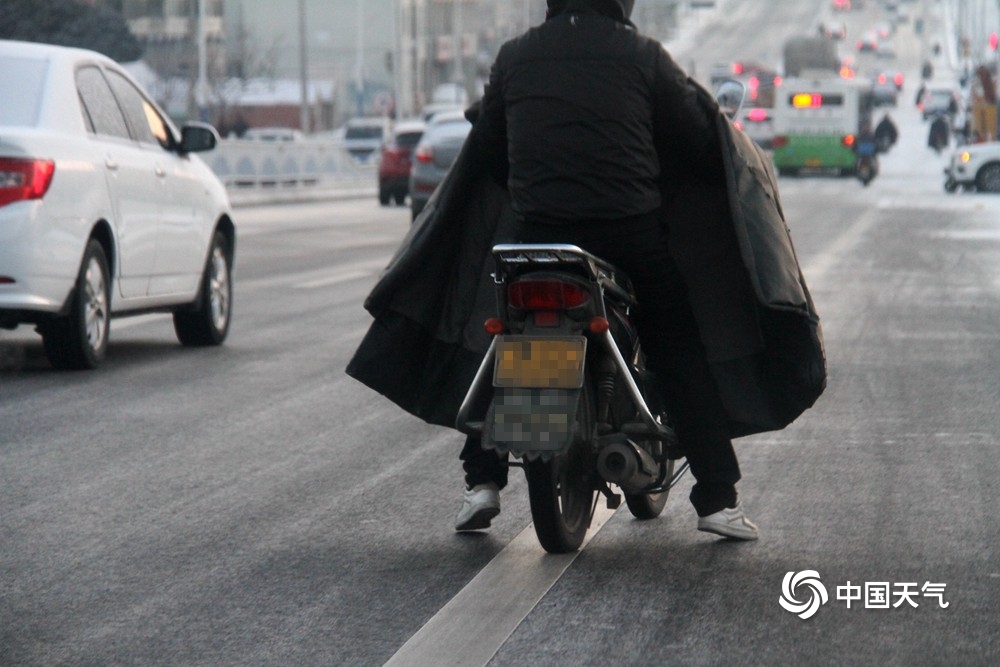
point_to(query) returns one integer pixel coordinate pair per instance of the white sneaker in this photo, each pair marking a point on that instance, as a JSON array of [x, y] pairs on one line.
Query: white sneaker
[[729, 522], [479, 505]]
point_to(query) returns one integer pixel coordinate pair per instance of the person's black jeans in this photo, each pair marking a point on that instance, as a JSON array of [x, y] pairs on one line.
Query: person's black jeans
[[669, 335]]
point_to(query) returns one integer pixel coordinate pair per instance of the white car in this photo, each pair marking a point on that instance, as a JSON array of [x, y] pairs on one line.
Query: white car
[[974, 167], [104, 208], [364, 136]]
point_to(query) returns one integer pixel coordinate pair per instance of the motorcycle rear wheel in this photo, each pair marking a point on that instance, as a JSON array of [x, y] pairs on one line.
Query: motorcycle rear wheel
[[561, 490], [644, 506]]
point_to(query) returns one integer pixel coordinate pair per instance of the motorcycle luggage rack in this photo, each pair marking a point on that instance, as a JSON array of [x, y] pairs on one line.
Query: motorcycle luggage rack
[[547, 255]]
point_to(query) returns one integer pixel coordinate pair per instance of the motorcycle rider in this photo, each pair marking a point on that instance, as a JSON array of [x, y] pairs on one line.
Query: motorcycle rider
[[940, 134], [592, 127], [886, 133]]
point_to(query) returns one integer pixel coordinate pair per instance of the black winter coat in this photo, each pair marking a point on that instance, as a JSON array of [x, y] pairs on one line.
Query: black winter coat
[[757, 321], [616, 141]]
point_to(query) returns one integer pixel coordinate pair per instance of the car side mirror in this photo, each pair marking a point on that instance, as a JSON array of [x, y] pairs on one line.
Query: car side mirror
[[197, 137]]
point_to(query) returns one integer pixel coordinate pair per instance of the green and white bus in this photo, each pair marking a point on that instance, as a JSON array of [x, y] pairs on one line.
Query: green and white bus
[[816, 122]]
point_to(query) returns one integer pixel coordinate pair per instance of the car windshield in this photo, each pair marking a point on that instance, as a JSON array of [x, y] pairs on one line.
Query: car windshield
[[364, 132], [21, 82]]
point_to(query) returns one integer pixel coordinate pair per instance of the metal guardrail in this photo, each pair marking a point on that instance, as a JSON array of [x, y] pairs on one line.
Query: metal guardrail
[[257, 172]]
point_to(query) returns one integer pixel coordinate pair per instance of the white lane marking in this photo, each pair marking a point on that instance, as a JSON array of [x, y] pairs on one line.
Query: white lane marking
[[341, 277], [511, 584], [342, 273]]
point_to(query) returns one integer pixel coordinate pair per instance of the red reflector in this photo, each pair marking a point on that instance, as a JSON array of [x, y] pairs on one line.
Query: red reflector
[[24, 179], [779, 141], [494, 326], [546, 295], [898, 79], [848, 140], [881, 78], [599, 325]]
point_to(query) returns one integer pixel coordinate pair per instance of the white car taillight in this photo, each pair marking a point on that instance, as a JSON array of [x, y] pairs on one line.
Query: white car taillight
[[22, 179]]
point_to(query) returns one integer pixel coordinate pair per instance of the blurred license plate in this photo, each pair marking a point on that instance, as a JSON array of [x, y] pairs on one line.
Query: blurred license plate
[[547, 363]]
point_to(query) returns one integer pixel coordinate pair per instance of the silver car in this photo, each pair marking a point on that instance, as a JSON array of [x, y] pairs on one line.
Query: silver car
[[104, 207], [434, 155]]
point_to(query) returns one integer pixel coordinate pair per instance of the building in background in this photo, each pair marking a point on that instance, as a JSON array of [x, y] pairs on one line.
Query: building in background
[[361, 57]]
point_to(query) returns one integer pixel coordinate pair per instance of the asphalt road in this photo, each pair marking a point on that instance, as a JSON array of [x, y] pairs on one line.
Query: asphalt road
[[252, 505]]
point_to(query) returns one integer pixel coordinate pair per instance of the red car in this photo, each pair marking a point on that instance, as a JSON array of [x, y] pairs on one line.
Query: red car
[[394, 167]]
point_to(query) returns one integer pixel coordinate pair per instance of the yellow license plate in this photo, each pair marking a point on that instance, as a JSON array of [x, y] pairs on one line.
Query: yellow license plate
[[545, 363]]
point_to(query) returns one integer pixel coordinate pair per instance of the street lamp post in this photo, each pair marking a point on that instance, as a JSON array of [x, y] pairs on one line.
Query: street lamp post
[[303, 70], [201, 85], [359, 73]]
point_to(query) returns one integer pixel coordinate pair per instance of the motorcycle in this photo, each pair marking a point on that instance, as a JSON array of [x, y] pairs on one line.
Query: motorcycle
[[571, 396], [568, 391], [866, 163]]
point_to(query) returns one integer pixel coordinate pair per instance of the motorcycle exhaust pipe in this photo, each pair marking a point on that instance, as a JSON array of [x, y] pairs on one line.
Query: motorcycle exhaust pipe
[[629, 466]]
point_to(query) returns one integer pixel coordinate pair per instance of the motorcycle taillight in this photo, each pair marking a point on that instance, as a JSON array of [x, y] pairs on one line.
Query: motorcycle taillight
[[546, 295]]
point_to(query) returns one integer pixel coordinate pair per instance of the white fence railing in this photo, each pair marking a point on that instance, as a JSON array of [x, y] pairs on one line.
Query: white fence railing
[[262, 171]]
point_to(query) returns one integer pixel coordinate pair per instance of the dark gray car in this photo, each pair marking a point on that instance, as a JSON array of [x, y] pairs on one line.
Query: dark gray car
[[434, 155]]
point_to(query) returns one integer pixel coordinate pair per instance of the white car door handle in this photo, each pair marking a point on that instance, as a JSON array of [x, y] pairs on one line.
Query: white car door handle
[[111, 164], [160, 171]]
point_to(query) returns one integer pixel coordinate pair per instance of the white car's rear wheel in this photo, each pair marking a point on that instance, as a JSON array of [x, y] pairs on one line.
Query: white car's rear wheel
[[79, 339]]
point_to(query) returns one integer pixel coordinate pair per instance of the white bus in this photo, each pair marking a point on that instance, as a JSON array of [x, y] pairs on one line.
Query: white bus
[[816, 123]]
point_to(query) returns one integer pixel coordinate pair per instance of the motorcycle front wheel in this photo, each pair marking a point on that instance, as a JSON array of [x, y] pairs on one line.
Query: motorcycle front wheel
[[561, 490]]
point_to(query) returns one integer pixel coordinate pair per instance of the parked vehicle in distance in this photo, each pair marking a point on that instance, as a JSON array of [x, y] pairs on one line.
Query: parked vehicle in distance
[[105, 209], [273, 134], [434, 155], [394, 167], [363, 136], [974, 167]]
